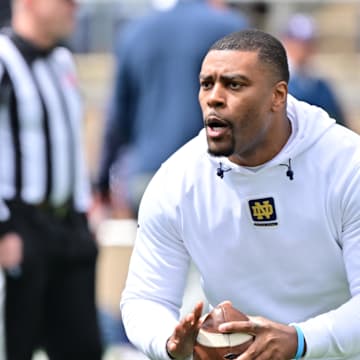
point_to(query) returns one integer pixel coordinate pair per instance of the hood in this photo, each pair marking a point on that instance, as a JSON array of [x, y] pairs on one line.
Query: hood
[[309, 124]]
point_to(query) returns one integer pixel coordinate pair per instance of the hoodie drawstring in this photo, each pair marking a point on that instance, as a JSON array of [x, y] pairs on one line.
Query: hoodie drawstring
[[289, 172], [221, 170]]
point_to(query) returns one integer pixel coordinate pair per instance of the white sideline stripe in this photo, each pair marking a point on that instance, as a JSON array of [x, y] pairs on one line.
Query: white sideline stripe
[[209, 339], [113, 232]]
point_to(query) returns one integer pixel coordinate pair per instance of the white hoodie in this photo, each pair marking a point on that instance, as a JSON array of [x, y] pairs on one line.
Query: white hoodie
[[285, 249]]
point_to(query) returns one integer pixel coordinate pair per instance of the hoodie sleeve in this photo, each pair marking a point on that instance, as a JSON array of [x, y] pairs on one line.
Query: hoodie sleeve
[[336, 334], [157, 274]]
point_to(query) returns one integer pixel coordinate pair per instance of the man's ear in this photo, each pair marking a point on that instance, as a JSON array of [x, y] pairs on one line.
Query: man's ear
[[280, 93]]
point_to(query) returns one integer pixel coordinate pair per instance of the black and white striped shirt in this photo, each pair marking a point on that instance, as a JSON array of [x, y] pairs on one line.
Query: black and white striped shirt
[[41, 145]]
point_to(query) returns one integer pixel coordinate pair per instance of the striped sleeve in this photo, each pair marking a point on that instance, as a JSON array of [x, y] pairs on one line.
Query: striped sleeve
[[66, 58], [2, 72], [4, 211]]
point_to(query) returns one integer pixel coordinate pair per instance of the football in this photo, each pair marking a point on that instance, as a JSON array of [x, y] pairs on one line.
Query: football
[[211, 344]]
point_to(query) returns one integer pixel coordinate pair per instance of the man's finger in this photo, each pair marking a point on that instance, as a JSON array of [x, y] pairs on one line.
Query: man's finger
[[250, 327], [198, 310]]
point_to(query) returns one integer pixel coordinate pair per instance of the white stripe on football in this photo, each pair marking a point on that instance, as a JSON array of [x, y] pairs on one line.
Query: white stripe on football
[[217, 340]]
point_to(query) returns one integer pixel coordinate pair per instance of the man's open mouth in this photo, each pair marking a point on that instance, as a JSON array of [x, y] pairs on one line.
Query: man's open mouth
[[216, 127]]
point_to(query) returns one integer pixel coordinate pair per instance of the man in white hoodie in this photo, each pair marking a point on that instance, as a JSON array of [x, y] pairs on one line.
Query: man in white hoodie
[[266, 202]]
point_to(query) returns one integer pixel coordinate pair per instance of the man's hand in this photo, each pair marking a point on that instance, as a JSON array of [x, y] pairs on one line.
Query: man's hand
[[11, 250], [273, 341], [181, 343]]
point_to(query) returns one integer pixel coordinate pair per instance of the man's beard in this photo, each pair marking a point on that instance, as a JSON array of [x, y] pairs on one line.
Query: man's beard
[[223, 151]]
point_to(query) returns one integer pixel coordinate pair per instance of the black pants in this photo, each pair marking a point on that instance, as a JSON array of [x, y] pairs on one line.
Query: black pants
[[51, 303]]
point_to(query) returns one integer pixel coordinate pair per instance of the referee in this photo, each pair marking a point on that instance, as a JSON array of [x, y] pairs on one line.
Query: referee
[[46, 248]]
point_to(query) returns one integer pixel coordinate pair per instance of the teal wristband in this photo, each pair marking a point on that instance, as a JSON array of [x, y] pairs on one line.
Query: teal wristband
[[300, 341]]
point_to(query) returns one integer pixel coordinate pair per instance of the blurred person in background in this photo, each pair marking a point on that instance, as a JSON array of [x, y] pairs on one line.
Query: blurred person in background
[[47, 252], [154, 109], [299, 39]]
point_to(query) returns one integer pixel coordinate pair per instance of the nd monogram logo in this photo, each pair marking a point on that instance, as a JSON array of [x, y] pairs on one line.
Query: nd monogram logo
[[263, 212]]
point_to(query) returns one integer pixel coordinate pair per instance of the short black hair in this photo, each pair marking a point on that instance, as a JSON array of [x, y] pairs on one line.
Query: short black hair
[[270, 50]]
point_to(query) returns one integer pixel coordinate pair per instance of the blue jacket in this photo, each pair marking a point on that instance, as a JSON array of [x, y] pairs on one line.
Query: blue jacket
[[155, 108], [316, 91]]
